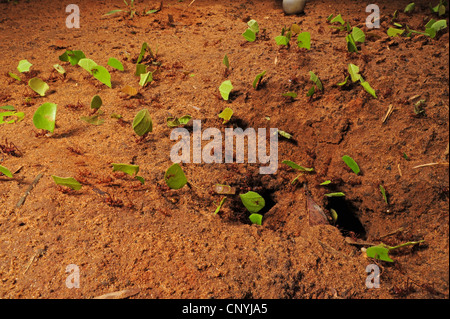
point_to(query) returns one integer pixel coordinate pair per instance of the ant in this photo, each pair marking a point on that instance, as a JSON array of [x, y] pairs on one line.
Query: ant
[[10, 149], [77, 106], [74, 150], [111, 201]]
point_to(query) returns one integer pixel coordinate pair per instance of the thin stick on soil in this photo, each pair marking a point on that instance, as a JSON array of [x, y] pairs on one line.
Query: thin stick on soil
[[28, 191], [392, 233], [430, 164], [389, 112], [399, 170]]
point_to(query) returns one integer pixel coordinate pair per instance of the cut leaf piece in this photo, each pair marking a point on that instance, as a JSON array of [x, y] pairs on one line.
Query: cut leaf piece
[[226, 115], [393, 32], [354, 72], [67, 181], [256, 219], [368, 88], [44, 117], [175, 177], [140, 69], [87, 64], [116, 64], [225, 89], [220, 205], [253, 25], [337, 194], [14, 76], [298, 167], [290, 94], [146, 78], [72, 56], [358, 35], [351, 163], [249, 35], [142, 123], [380, 252], [6, 171], [24, 66], [38, 86], [59, 68], [339, 19], [253, 201], [8, 108], [102, 74], [17, 117], [126, 168], [285, 134], [304, 40], [96, 102], [258, 80]]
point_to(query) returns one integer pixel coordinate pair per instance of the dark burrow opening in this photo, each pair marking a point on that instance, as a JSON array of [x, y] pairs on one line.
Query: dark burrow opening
[[347, 221]]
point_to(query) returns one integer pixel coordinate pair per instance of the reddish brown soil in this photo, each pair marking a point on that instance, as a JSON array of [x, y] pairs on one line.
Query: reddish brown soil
[[168, 243]]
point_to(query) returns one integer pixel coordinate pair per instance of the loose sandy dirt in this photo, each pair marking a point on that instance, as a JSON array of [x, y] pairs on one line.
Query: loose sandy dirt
[[161, 243]]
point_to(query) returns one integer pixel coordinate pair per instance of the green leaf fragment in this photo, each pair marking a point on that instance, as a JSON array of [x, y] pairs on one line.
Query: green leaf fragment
[[353, 70], [24, 66], [383, 193], [14, 76], [410, 7], [226, 115], [249, 35], [175, 177], [225, 88], [368, 88], [44, 117], [379, 252], [6, 171], [146, 78], [393, 32], [102, 74], [290, 94], [8, 108], [142, 123], [258, 79], [285, 134], [38, 86], [253, 25], [226, 62], [358, 35], [316, 80], [113, 12], [339, 19], [304, 40], [337, 194], [220, 205], [297, 167], [96, 102], [252, 201], [126, 168], [282, 40], [174, 121], [351, 163], [16, 117], [87, 64], [345, 81], [67, 181], [116, 64], [256, 219], [59, 68]]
